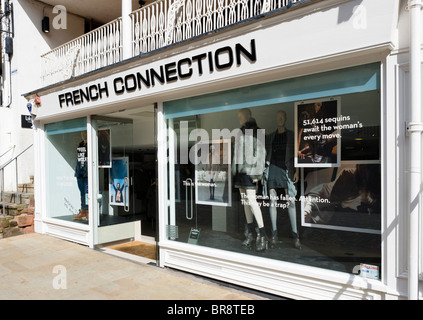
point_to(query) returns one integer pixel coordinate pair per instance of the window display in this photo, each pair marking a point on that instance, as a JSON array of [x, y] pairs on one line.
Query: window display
[[304, 180], [67, 174]]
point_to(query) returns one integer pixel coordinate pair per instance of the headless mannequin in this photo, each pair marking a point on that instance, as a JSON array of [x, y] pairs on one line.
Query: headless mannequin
[[280, 121], [251, 208], [81, 175]]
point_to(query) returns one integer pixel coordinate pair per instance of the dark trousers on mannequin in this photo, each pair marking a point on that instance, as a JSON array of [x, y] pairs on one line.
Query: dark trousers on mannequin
[[83, 189]]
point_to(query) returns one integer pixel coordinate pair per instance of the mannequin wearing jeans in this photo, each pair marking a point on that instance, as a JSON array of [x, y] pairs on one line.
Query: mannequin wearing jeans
[[81, 174], [281, 175], [248, 166]]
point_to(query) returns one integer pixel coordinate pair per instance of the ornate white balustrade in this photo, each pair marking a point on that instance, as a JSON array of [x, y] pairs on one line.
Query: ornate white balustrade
[[91, 51], [155, 26], [170, 21]]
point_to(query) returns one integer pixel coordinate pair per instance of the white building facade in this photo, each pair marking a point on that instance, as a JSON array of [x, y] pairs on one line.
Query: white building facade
[[273, 145]]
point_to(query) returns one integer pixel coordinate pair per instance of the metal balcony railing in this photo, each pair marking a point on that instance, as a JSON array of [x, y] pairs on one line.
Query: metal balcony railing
[[99, 48], [166, 22], [154, 26]]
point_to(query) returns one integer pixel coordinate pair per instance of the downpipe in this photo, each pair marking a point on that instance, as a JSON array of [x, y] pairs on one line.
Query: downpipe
[[415, 129]]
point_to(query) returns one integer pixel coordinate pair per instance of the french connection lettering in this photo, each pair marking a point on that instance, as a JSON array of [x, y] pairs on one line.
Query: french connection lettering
[[221, 59]]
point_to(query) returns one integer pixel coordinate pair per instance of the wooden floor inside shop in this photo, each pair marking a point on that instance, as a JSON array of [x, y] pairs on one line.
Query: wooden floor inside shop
[[137, 248]]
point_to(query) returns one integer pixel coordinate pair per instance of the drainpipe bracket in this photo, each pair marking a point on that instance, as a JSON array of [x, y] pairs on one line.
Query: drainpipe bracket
[[412, 3], [412, 127]]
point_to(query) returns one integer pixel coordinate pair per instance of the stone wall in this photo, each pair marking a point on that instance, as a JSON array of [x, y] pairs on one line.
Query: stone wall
[[17, 220]]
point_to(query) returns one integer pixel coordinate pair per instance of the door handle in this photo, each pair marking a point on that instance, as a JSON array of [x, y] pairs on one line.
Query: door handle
[[125, 186], [188, 214]]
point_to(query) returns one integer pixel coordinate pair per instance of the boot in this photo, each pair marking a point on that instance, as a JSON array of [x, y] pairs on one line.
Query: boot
[[261, 243], [274, 241], [297, 243], [80, 215], [85, 216], [249, 241]]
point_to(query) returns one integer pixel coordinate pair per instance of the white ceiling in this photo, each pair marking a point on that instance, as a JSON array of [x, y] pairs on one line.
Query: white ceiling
[[99, 10]]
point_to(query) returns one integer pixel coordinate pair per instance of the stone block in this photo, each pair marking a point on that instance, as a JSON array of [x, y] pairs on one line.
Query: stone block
[[25, 220], [29, 229], [27, 210], [5, 221], [13, 231], [15, 210], [13, 223]]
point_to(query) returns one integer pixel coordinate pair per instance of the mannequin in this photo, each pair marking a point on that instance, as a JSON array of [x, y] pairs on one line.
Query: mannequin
[[282, 175], [81, 174], [248, 166]]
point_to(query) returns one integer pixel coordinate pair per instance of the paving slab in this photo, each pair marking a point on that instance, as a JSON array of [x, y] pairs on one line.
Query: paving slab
[[42, 267]]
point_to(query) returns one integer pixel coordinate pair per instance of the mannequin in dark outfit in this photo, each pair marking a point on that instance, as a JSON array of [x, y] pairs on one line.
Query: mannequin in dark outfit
[[248, 166], [282, 174], [81, 174]]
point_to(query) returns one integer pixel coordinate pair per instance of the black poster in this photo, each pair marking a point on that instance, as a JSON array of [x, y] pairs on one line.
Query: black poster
[[317, 133], [26, 122]]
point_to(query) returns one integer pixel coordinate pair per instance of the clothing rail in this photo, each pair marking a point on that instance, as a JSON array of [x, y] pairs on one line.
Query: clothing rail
[[14, 159]]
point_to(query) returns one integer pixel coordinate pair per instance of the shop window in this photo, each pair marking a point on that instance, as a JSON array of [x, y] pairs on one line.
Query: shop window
[[295, 181], [66, 170]]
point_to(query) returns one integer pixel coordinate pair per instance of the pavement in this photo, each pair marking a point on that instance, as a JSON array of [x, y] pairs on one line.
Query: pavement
[[42, 267]]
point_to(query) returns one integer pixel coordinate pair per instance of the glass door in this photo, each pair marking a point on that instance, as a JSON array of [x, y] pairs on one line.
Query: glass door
[[115, 185]]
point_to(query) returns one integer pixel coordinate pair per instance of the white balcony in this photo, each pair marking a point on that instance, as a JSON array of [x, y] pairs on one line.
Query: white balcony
[[152, 27]]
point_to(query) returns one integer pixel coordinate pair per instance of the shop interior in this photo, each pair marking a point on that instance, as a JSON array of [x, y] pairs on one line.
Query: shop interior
[[130, 135], [125, 179], [126, 156], [351, 238]]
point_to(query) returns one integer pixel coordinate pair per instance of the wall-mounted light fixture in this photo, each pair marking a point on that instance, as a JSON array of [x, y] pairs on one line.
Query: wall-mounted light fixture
[[45, 24]]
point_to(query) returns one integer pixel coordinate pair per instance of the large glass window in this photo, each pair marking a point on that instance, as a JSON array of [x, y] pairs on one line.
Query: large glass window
[[296, 181], [66, 170]]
